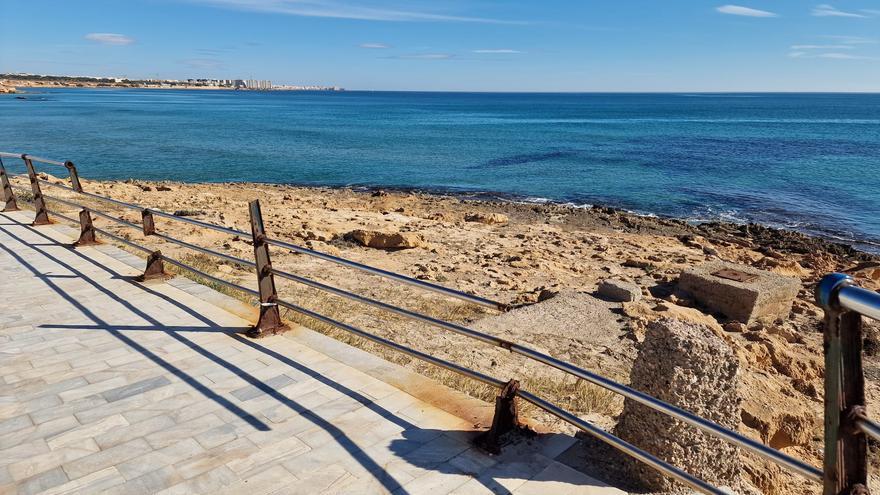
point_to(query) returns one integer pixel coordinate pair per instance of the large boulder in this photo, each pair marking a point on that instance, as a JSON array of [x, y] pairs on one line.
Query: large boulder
[[741, 292], [386, 240], [687, 365]]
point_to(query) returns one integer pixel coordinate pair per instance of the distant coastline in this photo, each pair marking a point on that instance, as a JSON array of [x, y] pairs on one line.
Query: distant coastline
[[9, 83]]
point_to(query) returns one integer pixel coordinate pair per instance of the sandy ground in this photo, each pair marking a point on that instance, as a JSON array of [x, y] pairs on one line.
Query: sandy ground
[[518, 254]]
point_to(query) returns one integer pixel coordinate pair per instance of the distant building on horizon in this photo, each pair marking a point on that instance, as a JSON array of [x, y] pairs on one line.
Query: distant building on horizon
[[254, 84]]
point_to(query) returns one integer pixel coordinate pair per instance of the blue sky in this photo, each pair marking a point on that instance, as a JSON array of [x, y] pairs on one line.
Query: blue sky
[[458, 45]]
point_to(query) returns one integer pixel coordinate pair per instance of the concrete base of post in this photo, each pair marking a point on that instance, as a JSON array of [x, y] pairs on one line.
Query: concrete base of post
[[270, 322]]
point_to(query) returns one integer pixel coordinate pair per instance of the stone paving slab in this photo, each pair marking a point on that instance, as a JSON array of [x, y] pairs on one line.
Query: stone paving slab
[[109, 386]]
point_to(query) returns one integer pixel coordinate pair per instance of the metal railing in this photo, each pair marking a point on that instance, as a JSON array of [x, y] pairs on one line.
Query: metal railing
[[847, 424], [270, 319]]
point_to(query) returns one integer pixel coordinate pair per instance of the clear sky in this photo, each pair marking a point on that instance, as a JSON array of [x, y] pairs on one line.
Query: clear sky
[[459, 45]]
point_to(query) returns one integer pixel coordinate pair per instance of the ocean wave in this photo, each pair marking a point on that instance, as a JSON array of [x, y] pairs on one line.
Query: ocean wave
[[644, 120]]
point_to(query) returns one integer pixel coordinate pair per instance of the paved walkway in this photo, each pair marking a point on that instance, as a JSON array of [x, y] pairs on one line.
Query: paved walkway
[[109, 386]]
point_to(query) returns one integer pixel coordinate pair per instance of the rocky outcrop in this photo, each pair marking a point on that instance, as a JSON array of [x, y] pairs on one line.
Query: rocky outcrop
[[487, 218], [386, 240], [7, 89], [688, 366]]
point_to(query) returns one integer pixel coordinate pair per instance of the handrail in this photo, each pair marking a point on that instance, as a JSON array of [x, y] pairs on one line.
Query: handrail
[[194, 247], [482, 301], [302, 250], [43, 160], [211, 277], [658, 464], [853, 296], [707, 426]]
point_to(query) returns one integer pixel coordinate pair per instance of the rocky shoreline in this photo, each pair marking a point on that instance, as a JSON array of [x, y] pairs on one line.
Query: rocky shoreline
[[564, 258]]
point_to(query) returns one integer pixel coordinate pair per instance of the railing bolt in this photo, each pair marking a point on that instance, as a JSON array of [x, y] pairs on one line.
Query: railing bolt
[[270, 317]]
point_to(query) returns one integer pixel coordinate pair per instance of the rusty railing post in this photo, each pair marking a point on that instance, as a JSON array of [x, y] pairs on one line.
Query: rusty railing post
[[74, 176], [42, 217], [155, 267], [148, 222], [8, 194], [87, 233], [270, 317], [506, 419], [846, 447]]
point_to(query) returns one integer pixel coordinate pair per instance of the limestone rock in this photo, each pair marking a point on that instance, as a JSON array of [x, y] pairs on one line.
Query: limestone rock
[[386, 240], [642, 311], [762, 296], [686, 365], [487, 218], [619, 291]]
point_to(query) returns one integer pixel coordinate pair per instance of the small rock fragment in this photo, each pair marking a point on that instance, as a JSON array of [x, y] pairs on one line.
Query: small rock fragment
[[619, 291], [486, 218]]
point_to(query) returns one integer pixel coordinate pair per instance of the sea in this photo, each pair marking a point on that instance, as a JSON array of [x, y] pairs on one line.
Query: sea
[[807, 162]]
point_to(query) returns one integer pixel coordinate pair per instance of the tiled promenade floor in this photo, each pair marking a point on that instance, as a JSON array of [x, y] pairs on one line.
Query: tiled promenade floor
[[109, 386]]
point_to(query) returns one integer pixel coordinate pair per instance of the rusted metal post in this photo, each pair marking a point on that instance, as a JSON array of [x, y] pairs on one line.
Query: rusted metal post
[[846, 447], [74, 176], [87, 234], [506, 419], [42, 217], [155, 268], [270, 317], [148, 222], [8, 194]]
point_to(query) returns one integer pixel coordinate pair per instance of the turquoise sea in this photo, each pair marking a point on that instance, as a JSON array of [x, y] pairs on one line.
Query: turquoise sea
[[809, 162]]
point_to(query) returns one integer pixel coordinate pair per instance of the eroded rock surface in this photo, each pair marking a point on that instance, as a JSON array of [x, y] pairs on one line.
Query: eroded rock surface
[[386, 240], [689, 366]]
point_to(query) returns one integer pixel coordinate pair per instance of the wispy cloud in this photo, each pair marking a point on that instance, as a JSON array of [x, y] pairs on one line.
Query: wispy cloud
[[109, 38], [841, 48], [203, 63], [822, 47], [744, 11], [826, 10], [497, 50], [851, 40], [845, 56], [351, 9], [425, 56], [374, 46], [213, 52], [830, 55]]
